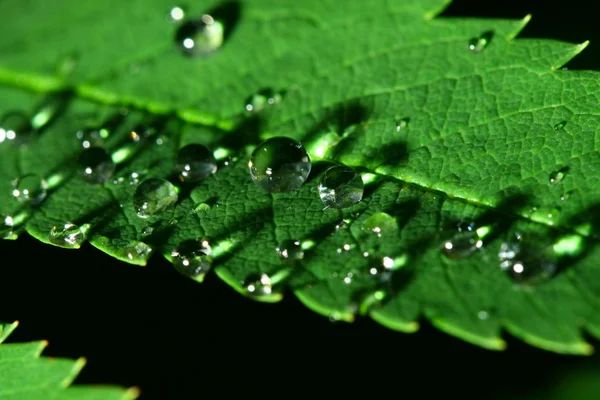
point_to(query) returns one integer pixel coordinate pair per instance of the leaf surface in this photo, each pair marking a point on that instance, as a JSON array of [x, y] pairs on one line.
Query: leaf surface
[[443, 135]]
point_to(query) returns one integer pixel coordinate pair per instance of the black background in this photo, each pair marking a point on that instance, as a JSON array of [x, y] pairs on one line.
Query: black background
[[152, 328]]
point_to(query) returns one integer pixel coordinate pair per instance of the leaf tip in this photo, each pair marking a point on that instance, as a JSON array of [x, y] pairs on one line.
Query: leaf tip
[[132, 393], [522, 24], [75, 370], [394, 324]]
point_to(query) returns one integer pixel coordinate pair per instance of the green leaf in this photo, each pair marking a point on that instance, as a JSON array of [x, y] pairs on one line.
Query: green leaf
[[448, 120], [24, 375]]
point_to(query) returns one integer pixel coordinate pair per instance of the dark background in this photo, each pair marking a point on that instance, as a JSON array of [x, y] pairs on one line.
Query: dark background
[[173, 338]]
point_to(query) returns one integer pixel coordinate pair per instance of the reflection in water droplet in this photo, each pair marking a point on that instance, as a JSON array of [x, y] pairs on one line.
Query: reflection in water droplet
[[380, 224], [153, 196], [68, 235], [140, 251], [193, 258], [176, 14], [478, 44], [95, 165], [92, 137], [384, 270], [30, 188], [279, 164], [560, 125], [341, 187], [566, 195], [523, 264], [348, 278], [200, 37], [264, 98], [258, 285], [195, 162], [464, 242], [290, 250], [6, 226], [15, 127], [557, 176]]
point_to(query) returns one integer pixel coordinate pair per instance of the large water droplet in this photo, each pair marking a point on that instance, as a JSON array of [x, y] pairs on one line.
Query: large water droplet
[[464, 242], [15, 127], [195, 162], [258, 285], [95, 165], [30, 188], [557, 176], [341, 187], [200, 37], [92, 137], [523, 264], [478, 44], [279, 164], [290, 250], [193, 258], [380, 224], [68, 235], [153, 196], [401, 124], [140, 251], [263, 98], [560, 125]]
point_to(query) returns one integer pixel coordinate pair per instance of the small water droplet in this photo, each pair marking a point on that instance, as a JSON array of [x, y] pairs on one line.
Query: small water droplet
[[380, 224], [6, 226], [193, 258], [200, 37], [153, 196], [566, 195], [140, 251], [290, 250], [202, 207], [483, 315], [147, 230], [341, 187], [95, 165], [525, 264], [560, 125], [464, 242], [15, 127], [68, 235], [258, 285], [348, 278], [30, 188], [176, 15], [558, 176], [401, 124], [279, 164], [92, 137], [263, 98], [195, 162], [478, 44]]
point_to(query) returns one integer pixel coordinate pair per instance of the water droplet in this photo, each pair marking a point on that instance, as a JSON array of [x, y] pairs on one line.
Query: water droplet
[[6, 226], [348, 278], [200, 37], [560, 125], [558, 176], [95, 165], [401, 124], [279, 164], [380, 224], [258, 285], [193, 258], [140, 251], [153, 196], [464, 242], [478, 44], [290, 250], [147, 230], [176, 14], [15, 127], [92, 137], [483, 315], [566, 195], [195, 162], [341, 187], [30, 188], [263, 98], [523, 264], [68, 235]]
